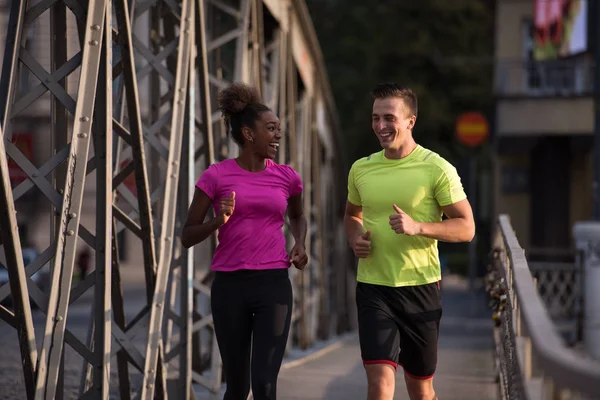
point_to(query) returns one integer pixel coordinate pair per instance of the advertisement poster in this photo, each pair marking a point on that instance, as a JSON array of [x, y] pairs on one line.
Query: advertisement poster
[[560, 28]]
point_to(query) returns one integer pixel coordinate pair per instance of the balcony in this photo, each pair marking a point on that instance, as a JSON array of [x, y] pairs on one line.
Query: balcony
[[559, 78]]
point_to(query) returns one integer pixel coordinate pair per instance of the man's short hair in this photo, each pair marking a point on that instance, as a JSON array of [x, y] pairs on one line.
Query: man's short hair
[[384, 90]]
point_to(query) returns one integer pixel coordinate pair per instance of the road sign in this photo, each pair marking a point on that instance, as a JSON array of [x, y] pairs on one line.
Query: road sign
[[472, 129]]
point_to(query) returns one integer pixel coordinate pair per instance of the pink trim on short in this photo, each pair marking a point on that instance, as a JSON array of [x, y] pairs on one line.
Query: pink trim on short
[[371, 362], [421, 378]]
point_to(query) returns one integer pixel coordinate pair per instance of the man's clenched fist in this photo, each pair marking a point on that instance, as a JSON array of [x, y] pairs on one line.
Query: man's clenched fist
[[362, 245], [403, 224]]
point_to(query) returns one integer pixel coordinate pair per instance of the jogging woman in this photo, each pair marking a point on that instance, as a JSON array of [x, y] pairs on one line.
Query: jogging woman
[[251, 296]]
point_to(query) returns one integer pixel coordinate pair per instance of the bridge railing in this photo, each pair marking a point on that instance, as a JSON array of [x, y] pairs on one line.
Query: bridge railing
[[532, 359]]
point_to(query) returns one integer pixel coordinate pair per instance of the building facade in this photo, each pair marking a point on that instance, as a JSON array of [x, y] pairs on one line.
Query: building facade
[[543, 131]]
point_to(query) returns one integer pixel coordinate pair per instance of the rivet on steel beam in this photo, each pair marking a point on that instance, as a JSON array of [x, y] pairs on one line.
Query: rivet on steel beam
[[35, 174], [84, 119], [94, 42], [82, 135], [58, 318], [72, 215], [70, 233], [95, 27]]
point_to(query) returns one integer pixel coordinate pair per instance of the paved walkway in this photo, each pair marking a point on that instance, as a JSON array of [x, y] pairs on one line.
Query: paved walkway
[[465, 366]]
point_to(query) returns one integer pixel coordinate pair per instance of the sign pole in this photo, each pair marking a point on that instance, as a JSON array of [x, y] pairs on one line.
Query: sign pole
[[472, 129], [473, 199]]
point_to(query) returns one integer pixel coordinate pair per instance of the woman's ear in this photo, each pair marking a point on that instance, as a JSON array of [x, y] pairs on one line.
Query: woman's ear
[[248, 135]]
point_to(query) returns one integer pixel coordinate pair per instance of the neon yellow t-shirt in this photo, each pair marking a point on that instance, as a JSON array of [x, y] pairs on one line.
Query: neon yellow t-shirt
[[420, 184]]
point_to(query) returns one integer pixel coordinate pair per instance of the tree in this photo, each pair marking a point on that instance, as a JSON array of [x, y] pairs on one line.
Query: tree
[[443, 49]]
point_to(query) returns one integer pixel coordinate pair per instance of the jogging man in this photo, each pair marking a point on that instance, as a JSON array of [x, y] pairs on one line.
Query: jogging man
[[393, 221]]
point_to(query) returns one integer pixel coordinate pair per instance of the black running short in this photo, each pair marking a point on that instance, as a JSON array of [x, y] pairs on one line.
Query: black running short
[[400, 326]]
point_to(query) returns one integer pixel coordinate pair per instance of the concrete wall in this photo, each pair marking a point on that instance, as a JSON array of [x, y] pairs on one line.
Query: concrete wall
[[582, 179], [514, 204], [544, 116], [509, 17]]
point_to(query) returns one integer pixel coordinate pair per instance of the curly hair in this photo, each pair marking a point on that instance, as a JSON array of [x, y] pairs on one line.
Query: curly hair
[[241, 106]]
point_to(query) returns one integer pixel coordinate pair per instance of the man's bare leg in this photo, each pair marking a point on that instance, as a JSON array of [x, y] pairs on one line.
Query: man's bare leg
[[420, 389], [382, 381]]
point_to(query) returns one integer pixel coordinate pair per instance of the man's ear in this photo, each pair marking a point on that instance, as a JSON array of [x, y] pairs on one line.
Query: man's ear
[[412, 121]]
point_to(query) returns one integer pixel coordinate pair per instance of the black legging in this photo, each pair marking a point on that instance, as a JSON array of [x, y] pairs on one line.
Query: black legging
[[251, 309]]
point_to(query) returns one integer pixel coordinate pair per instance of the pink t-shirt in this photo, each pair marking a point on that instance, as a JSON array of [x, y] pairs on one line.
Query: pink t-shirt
[[252, 238]]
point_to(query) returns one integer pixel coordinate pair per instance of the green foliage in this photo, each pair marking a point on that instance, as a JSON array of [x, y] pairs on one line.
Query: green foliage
[[443, 49]]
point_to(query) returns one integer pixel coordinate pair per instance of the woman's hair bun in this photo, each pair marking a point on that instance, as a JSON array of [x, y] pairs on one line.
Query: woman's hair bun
[[236, 97]]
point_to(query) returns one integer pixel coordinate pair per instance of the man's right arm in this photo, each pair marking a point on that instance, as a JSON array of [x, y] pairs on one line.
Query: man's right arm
[[353, 222]]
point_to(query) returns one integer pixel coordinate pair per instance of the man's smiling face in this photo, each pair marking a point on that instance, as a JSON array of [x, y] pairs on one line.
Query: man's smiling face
[[392, 122]]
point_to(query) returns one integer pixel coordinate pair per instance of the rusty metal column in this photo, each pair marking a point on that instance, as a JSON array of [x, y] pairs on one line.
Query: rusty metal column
[[206, 155], [21, 319], [282, 62], [323, 269], [257, 45], [96, 371], [308, 295], [103, 135], [140, 203], [170, 196], [59, 127], [52, 348], [242, 71], [182, 275]]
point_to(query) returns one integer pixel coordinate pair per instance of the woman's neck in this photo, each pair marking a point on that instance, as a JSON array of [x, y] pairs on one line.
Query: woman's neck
[[250, 161]]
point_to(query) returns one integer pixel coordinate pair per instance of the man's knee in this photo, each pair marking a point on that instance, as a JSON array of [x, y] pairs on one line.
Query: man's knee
[[420, 388], [381, 380]]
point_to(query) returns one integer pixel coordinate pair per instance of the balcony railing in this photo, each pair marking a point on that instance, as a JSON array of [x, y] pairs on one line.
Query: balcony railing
[[572, 77]]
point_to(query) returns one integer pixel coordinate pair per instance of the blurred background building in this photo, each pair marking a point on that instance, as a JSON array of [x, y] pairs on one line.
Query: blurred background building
[[544, 121]]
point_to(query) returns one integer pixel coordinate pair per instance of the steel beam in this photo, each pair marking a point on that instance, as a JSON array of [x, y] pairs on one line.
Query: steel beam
[[62, 273], [16, 272], [180, 92]]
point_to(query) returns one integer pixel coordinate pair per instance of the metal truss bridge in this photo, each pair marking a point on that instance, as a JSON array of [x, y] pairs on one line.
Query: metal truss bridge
[[108, 117]]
